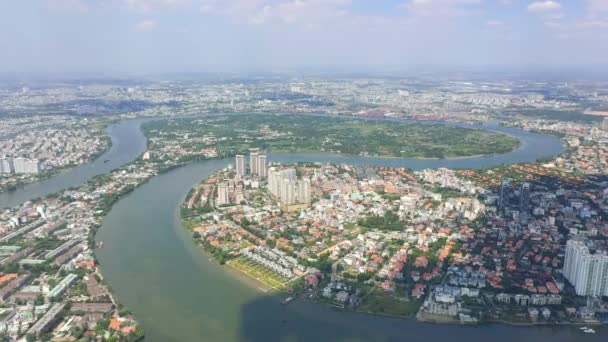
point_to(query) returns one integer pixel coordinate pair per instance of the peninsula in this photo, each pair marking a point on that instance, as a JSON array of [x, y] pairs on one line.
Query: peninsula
[[444, 246], [295, 133]]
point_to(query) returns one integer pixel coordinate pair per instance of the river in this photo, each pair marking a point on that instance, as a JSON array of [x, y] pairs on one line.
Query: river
[[178, 294]]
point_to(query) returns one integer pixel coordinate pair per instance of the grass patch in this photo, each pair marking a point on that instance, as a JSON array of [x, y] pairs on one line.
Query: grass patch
[[380, 303]]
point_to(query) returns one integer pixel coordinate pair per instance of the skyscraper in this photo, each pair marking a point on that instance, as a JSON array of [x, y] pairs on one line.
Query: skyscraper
[[240, 165], [524, 197], [262, 166], [273, 180], [304, 191], [289, 174], [287, 188], [6, 165], [587, 272], [502, 195], [23, 165], [288, 191], [253, 163], [222, 194]]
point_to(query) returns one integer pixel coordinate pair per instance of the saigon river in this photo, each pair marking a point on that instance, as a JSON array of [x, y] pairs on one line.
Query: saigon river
[[179, 294]]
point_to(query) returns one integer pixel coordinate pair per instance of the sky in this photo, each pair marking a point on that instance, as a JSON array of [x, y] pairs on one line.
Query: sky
[[159, 36]]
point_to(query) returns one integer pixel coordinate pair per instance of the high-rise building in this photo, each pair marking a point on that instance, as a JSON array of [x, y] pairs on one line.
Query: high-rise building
[[262, 166], [287, 188], [223, 194], [23, 165], [7, 165], [524, 197], [289, 174], [253, 163], [304, 191], [273, 180], [287, 193], [587, 272], [240, 165], [502, 195], [238, 196]]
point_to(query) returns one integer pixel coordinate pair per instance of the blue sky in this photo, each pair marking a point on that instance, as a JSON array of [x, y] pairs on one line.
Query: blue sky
[[237, 35]]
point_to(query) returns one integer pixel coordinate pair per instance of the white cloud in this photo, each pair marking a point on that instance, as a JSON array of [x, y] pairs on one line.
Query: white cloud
[[442, 8], [68, 6], [303, 12], [156, 5], [600, 24], [146, 25], [552, 24], [544, 6], [596, 7]]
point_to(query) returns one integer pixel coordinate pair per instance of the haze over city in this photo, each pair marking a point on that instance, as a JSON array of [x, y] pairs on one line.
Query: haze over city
[[154, 36]]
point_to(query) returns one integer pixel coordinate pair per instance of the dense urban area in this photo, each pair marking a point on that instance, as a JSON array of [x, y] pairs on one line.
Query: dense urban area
[[525, 243], [36, 147]]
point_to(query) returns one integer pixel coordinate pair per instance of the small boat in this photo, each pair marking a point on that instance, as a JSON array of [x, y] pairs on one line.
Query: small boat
[[287, 300], [99, 244], [589, 331], [105, 161]]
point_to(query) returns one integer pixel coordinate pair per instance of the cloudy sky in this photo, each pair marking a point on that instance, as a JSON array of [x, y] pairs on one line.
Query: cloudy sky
[[208, 35]]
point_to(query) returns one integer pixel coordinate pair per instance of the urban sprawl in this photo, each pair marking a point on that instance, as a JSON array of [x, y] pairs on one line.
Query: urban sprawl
[[521, 243]]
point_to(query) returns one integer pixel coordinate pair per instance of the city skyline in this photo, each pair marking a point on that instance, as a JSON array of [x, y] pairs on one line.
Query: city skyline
[[274, 35]]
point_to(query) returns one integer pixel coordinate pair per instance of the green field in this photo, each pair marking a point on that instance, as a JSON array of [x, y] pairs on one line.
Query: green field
[[290, 133], [380, 303]]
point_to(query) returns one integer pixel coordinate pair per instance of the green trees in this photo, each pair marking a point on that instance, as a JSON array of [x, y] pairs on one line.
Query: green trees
[[337, 134], [390, 221]]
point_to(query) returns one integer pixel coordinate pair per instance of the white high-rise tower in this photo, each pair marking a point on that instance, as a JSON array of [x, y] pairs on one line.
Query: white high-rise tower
[[262, 166], [240, 165], [253, 163], [587, 272]]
